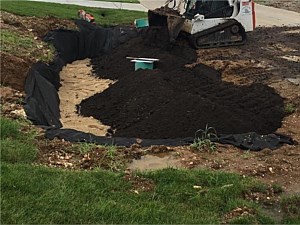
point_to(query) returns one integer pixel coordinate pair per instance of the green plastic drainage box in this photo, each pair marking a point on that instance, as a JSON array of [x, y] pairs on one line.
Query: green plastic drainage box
[[140, 23], [143, 64]]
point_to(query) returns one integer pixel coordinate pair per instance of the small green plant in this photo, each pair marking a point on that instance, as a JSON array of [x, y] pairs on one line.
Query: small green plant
[[114, 161], [291, 209], [111, 151], [258, 187], [85, 147], [277, 188], [9, 128], [205, 140], [290, 108], [49, 54], [247, 154]]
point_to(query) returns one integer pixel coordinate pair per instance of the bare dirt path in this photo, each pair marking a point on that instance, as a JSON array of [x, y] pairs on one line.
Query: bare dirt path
[[78, 83]]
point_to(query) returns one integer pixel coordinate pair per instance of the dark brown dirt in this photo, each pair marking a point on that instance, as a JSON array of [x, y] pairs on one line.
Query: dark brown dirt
[[270, 54], [39, 26], [14, 68], [177, 99], [14, 71], [139, 184]]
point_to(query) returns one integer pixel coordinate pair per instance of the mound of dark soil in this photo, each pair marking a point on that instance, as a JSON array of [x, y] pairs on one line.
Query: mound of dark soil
[[115, 65], [177, 99]]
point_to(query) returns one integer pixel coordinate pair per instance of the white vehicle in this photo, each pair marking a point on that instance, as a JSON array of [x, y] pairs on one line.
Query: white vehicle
[[208, 23]]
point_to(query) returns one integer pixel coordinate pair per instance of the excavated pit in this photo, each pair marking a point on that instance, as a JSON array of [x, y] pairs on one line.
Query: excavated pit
[[177, 98]]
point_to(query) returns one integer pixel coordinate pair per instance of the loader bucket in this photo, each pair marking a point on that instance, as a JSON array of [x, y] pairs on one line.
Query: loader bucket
[[174, 23], [157, 18]]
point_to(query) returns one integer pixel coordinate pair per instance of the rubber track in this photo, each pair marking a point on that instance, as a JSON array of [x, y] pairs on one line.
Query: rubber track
[[224, 43]]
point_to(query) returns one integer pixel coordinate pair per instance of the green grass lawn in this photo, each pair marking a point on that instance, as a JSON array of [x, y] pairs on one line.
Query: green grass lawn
[[40, 9], [37, 194], [16, 147], [33, 194]]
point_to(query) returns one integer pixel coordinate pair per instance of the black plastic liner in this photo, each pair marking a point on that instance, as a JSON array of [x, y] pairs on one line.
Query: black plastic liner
[[247, 141], [254, 141], [42, 101], [42, 84], [78, 136]]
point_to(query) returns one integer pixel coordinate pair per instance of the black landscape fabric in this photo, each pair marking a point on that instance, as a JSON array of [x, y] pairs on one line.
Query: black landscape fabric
[[42, 82], [247, 141], [144, 104], [42, 101]]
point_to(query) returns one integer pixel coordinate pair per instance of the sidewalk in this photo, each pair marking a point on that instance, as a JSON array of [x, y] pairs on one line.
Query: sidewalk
[[270, 16], [152, 4]]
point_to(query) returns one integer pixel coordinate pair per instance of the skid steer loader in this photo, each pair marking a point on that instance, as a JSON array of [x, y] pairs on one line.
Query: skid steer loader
[[207, 23]]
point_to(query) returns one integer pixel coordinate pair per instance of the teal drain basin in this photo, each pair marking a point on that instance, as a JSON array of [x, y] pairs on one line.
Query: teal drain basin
[[140, 23], [143, 64]]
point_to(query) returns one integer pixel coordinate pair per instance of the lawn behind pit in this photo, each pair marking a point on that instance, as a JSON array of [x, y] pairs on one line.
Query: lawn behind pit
[[40, 195], [36, 194], [104, 17]]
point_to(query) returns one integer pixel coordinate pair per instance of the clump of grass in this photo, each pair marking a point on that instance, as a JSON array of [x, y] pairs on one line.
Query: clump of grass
[[291, 209], [102, 156], [15, 151], [16, 146], [12, 42], [9, 129], [277, 188], [204, 139], [290, 108], [15, 43], [247, 154], [258, 187], [84, 147], [47, 56], [115, 162], [111, 151]]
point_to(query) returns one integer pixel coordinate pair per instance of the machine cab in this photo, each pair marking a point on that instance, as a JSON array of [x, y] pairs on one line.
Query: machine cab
[[209, 8]]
